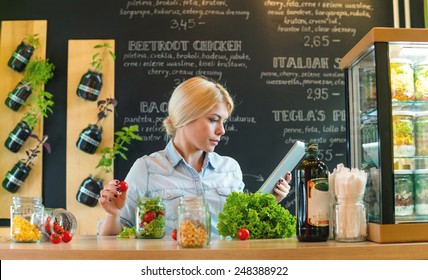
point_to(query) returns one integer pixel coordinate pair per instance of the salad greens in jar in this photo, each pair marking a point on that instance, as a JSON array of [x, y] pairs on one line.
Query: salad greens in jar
[[421, 82], [150, 218], [402, 80], [403, 134]]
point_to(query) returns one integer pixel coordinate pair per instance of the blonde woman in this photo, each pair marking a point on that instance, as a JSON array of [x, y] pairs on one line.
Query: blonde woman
[[188, 166]]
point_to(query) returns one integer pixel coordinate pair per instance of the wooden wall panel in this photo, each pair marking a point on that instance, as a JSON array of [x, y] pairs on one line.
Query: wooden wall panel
[[12, 33], [80, 113]]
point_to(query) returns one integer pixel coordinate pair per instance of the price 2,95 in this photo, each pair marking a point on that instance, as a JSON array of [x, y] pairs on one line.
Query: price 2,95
[[317, 94]]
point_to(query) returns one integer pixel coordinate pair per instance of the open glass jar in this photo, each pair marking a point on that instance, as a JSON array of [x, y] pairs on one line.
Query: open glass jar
[[350, 218], [193, 223], [26, 215], [54, 217]]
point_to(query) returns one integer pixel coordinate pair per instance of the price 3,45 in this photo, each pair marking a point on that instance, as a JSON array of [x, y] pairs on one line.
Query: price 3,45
[[317, 94], [184, 24]]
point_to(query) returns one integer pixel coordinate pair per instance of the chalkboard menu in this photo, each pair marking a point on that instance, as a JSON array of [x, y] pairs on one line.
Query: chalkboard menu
[[279, 60]]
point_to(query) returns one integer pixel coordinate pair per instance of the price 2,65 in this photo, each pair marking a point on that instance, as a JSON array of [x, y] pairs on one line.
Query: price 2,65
[[316, 41]]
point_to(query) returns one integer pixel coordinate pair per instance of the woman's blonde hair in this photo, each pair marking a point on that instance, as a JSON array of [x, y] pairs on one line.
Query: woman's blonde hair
[[192, 99]]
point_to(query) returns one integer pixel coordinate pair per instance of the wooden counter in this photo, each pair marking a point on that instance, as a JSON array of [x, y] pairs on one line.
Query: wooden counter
[[111, 248]]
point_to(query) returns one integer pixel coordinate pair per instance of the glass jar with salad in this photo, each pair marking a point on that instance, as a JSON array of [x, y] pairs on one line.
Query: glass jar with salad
[[421, 81], [403, 134], [402, 80], [421, 133], [404, 190], [150, 218], [368, 95], [421, 191]]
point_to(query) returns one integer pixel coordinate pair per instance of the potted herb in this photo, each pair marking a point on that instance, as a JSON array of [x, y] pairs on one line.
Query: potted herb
[[20, 171], [89, 190], [90, 137], [41, 106], [23, 52], [91, 82], [36, 75]]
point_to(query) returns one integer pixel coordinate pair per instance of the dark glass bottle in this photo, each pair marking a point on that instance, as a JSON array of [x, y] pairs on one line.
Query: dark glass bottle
[[89, 139], [16, 99], [17, 137], [90, 85], [16, 177], [20, 57], [89, 191], [312, 197]]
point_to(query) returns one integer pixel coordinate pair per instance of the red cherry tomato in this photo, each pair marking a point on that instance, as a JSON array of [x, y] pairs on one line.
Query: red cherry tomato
[[149, 216], [160, 213], [57, 228], [123, 186], [48, 226], [55, 238], [243, 234], [66, 236], [174, 234]]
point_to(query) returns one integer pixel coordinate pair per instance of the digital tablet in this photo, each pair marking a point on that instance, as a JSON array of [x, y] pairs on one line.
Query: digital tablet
[[287, 164]]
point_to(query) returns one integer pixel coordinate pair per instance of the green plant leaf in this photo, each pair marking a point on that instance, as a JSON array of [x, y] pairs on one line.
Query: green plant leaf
[[98, 57], [108, 154], [259, 213]]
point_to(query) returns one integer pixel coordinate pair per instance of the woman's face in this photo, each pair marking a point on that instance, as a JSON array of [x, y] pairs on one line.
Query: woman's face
[[204, 133]]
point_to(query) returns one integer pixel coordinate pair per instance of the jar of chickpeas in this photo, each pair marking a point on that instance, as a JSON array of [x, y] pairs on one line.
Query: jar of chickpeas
[[193, 223], [26, 215]]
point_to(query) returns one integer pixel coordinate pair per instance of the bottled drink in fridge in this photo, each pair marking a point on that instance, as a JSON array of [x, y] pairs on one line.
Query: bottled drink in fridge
[[312, 197]]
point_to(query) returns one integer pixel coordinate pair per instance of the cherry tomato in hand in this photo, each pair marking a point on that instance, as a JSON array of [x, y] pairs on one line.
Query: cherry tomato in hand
[[66, 236], [174, 234], [149, 216], [55, 238], [243, 234], [123, 186]]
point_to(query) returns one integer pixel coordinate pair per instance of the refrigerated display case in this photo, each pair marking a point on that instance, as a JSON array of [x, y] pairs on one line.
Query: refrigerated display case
[[386, 76]]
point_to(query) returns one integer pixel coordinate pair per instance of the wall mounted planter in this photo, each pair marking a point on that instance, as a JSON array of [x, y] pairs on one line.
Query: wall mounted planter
[[17, 137], [16, 177], [20, 57], [16, 99], [90, 85], [89, 191], [90, 138]]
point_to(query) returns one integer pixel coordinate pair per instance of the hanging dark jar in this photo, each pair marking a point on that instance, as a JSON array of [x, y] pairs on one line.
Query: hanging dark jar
[[90, 85], [89, 191], [20, 57], [18, 136], [16, 99], [16, 177], [90, 139]]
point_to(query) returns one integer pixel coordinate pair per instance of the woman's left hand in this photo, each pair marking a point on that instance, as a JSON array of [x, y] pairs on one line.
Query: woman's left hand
[[282, 188]]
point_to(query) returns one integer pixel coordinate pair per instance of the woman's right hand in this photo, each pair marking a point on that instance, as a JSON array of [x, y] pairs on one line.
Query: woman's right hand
[[111, 199]]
